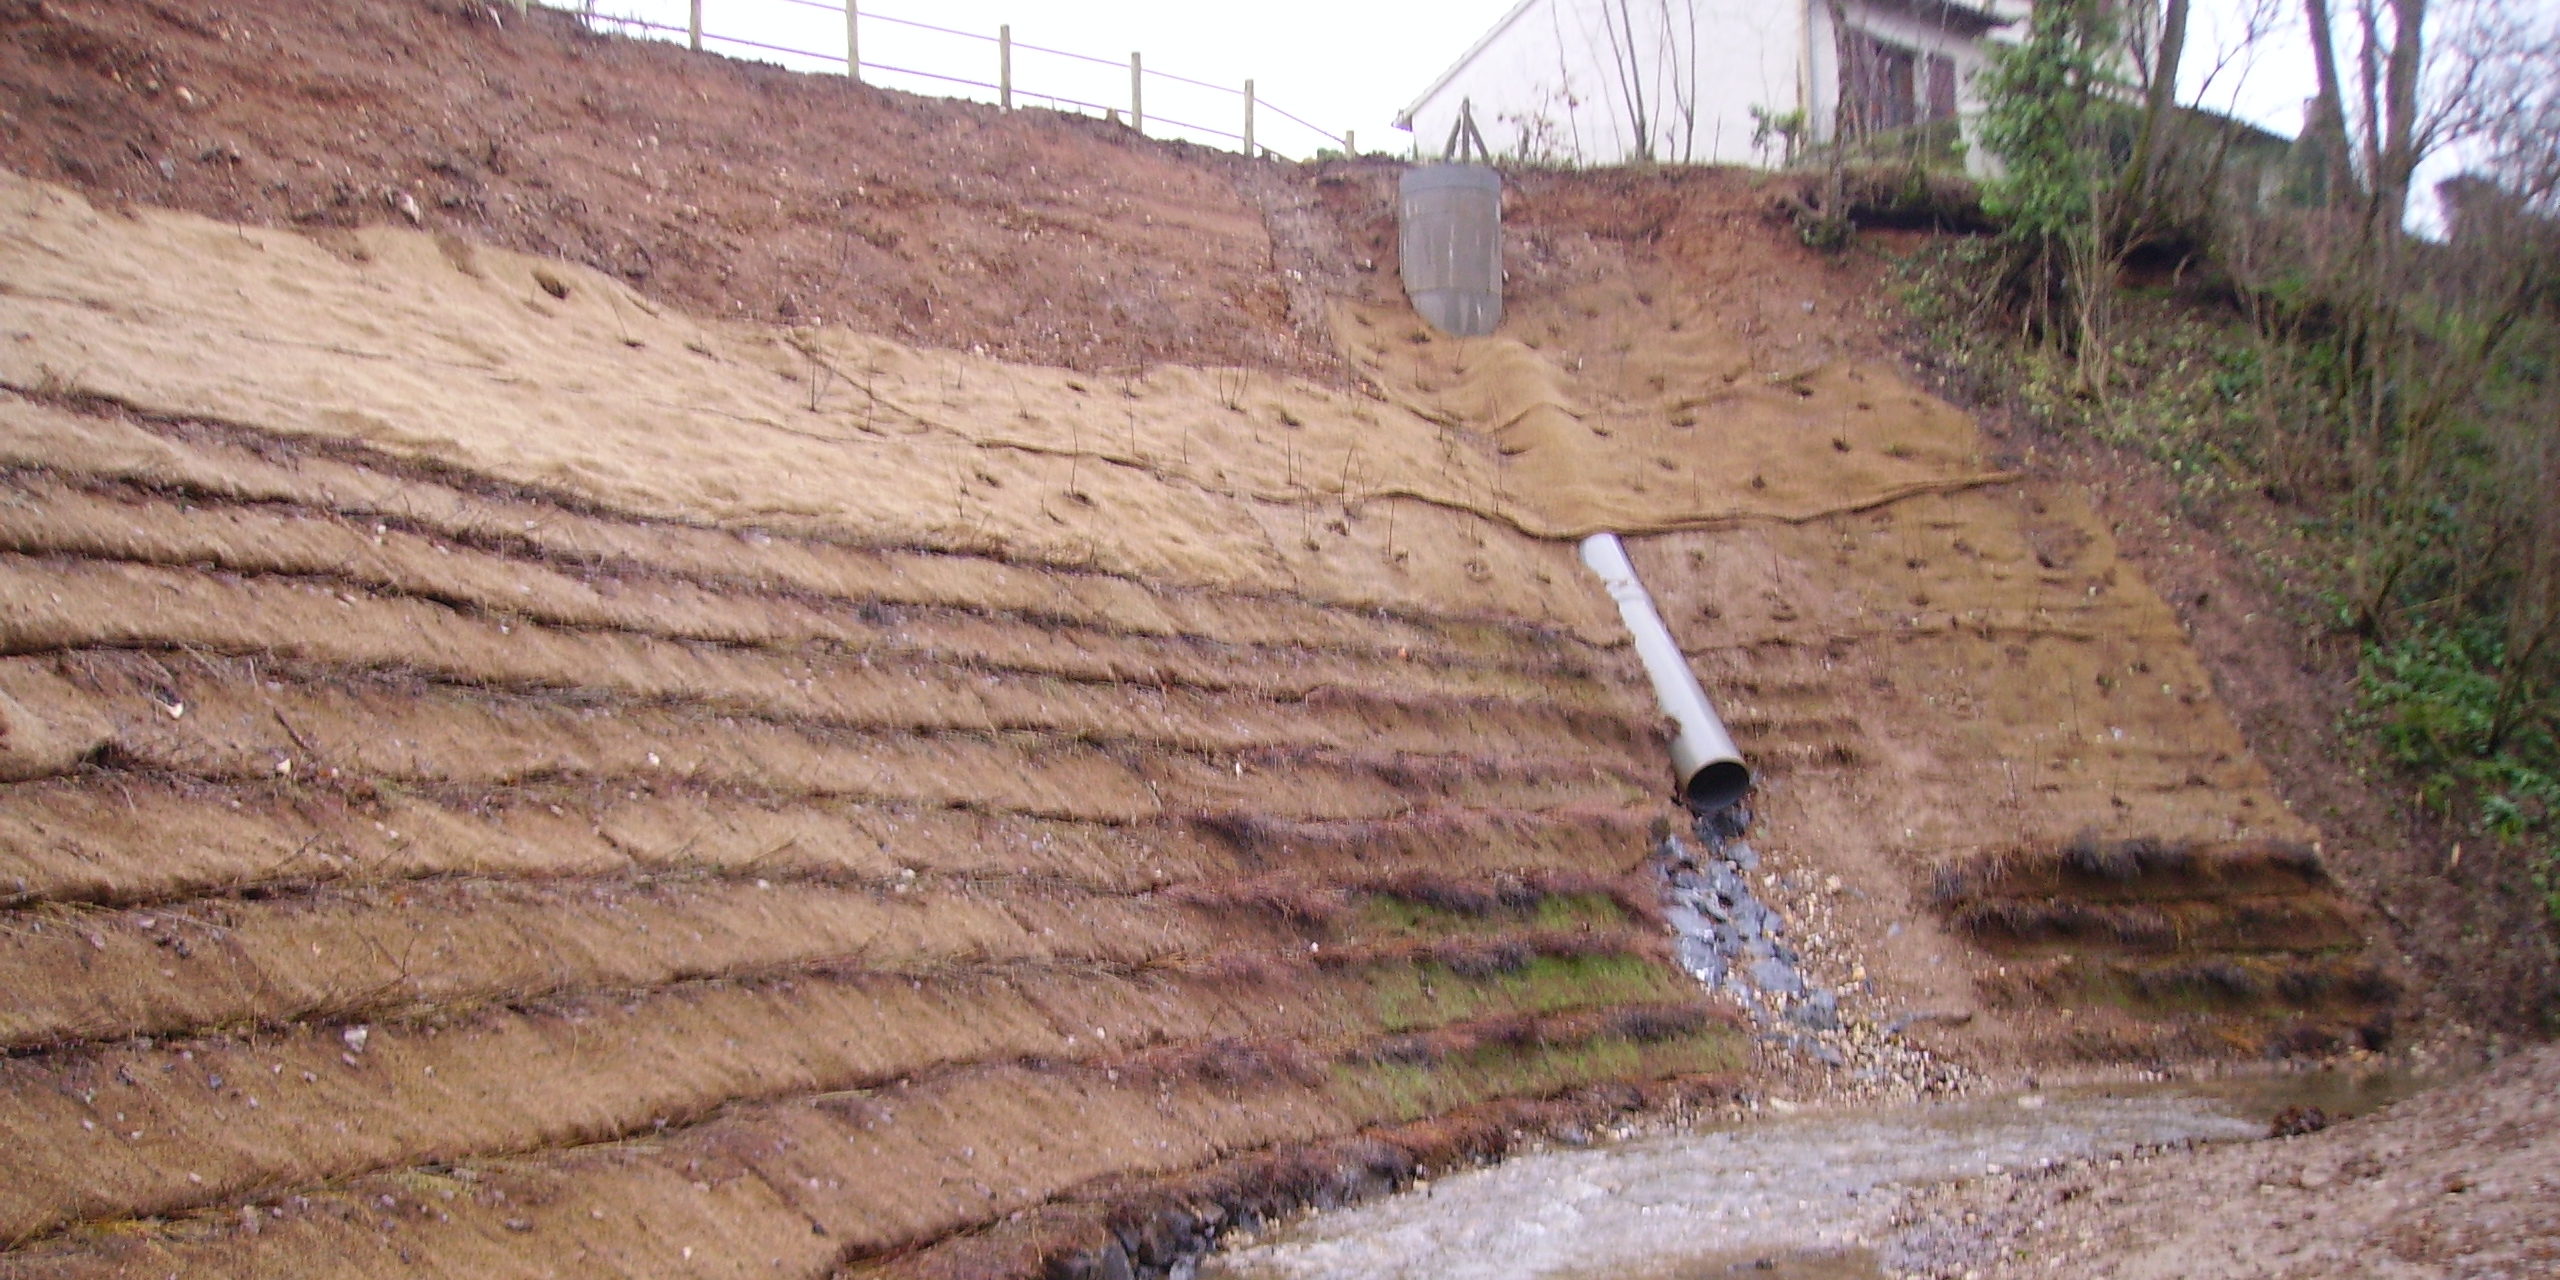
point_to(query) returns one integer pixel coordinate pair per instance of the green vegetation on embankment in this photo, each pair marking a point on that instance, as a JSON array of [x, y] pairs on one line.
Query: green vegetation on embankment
[[2258, 321]]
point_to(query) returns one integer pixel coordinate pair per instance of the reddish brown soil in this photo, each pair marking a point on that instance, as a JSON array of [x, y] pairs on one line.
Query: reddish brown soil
[[724, 186]]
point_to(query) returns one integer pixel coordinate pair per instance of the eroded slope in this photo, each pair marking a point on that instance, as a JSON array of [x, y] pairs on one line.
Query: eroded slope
[[506, 776], [720, 185], [1994, 771], [527, 782]]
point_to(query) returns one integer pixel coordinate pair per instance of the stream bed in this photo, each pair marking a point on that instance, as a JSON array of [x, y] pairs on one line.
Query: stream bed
[[1807, 1194]]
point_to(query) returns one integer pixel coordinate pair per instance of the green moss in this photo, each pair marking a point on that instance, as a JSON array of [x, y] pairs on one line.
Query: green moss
[[1430, 994], [1395, 1091], [1390, 917]]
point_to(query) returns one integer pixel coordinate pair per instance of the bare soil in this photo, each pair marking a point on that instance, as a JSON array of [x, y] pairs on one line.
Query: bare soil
[[2458, 1182], [2462, 915], [1110, 721], [721, 186]]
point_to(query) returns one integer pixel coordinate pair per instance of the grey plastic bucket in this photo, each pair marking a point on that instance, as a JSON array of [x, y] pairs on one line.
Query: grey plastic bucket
[[1450, 216]]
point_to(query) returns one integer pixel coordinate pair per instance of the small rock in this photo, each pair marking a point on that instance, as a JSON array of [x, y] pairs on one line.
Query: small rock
[[2294, 1121], [1777, 977], [1819, 1011]]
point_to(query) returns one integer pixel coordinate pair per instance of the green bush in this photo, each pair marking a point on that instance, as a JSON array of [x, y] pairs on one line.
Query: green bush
[[2431, 699]]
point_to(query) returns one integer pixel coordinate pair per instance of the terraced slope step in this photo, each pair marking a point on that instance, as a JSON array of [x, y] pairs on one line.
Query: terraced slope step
[[2233, 947], [428, 873]]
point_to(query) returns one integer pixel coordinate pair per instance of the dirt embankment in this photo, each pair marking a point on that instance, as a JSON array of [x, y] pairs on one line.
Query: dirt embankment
[[515, 767], [2460, 911], [440, 877], [720, 186], [531, 780]]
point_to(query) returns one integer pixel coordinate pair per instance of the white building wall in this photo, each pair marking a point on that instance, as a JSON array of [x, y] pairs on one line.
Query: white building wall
[[1970, 54], [1554, 81], [1901, 29], [1547, 83]]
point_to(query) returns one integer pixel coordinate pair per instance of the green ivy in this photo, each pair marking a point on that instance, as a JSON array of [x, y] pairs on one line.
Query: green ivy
[[2042, 117], [2431, 698]]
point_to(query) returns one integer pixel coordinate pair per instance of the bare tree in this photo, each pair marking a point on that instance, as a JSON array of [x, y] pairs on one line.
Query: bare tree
[[2392, 143], [2136, 191], [2324, 127], [1626, 55], [2392, 364], [1653, 53]]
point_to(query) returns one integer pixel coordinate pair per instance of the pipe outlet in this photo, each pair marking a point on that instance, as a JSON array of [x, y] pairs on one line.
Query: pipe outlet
[[1710, 771]]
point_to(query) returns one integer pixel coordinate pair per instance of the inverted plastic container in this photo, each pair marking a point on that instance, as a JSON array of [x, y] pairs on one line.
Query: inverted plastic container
[[1450, 217]]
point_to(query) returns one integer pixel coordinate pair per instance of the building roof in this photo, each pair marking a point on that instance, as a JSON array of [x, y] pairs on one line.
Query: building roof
[[1948, 15], [1404, 118]]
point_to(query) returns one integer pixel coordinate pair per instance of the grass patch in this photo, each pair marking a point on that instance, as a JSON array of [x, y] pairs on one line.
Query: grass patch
[[1395, 916], [1396, 1091], [1429, 993]]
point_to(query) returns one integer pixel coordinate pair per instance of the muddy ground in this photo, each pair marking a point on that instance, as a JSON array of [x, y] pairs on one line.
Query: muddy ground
[[2462, 1181]]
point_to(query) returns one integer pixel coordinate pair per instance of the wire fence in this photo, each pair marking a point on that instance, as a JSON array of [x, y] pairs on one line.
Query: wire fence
[[846, 37]]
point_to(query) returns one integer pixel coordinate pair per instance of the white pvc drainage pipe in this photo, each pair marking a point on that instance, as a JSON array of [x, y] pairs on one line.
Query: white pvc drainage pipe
[[1711, 773]]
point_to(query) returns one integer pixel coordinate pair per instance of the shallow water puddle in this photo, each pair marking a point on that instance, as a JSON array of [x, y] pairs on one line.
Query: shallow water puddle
[[1808, 1195]]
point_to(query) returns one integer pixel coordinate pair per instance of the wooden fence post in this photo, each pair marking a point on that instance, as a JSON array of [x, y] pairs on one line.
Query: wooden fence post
[[1248, 119], [1004, 66], [853, 40], [1137, 94], [1350, 144], [693, 28]]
